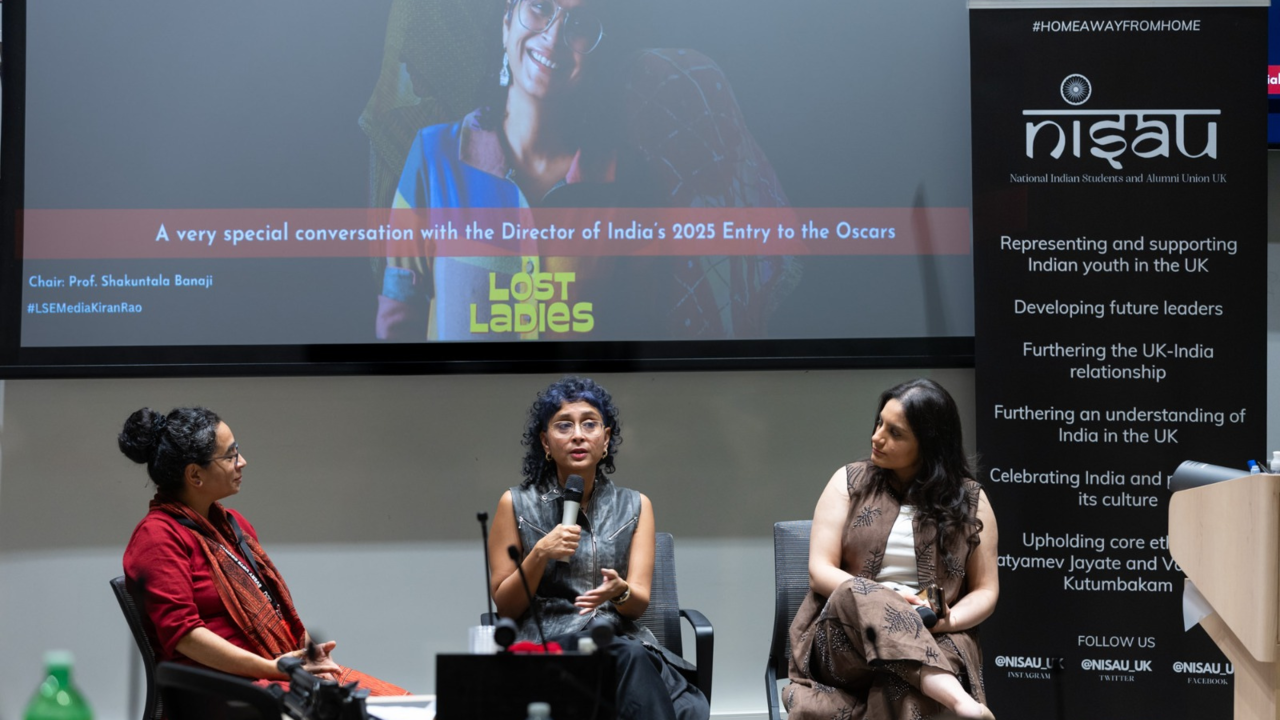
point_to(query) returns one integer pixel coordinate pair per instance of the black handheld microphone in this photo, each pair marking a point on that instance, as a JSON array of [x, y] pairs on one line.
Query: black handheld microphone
[[533, 603], [574, 486], [927, 615], [602, 632]]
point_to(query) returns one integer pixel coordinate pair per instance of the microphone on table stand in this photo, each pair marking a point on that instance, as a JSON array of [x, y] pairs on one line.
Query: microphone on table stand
[[514, 554], [483, 517], [504, 629]]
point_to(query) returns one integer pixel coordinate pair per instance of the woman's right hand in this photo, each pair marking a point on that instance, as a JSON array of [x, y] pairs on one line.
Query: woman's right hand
[[560, 543]]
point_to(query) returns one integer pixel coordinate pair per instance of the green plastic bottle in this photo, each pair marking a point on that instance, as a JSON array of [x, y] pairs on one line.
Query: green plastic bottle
[[57, 698]]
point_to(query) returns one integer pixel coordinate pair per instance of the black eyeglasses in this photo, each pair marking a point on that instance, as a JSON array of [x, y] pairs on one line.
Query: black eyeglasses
[[581, 30], [234, 456]]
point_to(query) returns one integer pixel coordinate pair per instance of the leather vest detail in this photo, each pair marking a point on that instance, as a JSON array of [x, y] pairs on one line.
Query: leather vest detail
[[608, 524]]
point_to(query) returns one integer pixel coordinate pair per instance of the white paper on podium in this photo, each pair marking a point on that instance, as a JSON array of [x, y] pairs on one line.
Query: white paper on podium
[[410, 707], [1194, 605]]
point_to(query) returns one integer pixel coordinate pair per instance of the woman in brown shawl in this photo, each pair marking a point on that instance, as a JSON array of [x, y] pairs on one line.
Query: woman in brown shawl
[[211, 595], [885, 529]]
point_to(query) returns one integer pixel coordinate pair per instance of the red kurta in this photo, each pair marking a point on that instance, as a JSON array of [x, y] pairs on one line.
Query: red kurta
[[170, 574]]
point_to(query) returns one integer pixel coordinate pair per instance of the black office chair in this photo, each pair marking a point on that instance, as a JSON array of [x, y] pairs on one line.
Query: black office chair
[[662, 617], [194, 693], [791, 585], [153, 708]]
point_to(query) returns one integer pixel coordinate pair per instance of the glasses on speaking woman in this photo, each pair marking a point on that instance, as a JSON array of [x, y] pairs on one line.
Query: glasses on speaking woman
[[581, 30], [565, 428]]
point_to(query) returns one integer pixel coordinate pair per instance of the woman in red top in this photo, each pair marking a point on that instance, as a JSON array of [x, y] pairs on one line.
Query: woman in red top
[[212, 595]]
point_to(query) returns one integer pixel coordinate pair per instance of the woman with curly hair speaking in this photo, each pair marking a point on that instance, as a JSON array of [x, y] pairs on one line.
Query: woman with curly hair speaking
[[598, 570]]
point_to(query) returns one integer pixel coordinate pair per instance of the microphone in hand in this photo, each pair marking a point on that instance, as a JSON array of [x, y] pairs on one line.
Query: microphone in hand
[[927, 615], [574, 486]]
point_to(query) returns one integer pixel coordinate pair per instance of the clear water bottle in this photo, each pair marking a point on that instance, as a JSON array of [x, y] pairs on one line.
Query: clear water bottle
[[57, 698], [539, 711]]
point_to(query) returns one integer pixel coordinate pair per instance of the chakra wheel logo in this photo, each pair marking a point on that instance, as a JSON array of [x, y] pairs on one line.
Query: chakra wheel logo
[[1076, 89]]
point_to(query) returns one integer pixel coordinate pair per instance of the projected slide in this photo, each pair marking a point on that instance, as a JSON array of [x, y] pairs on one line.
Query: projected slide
[[421, 171]]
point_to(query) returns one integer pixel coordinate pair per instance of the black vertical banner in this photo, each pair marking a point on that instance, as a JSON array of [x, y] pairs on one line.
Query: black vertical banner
[[1119, 165]]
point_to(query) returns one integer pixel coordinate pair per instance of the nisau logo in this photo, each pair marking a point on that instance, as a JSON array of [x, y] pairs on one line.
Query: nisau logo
[[1108, 135]]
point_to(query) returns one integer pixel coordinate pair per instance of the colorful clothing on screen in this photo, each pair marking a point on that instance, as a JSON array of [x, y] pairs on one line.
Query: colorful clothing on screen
[[461, 165], [840, 669], [191, 578]]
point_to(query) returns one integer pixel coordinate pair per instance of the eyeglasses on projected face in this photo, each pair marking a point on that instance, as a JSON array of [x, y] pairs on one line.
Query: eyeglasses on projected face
[[580, 30]]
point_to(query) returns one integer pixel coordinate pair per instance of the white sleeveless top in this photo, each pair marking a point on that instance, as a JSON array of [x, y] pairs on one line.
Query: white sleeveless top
[[899, 571]]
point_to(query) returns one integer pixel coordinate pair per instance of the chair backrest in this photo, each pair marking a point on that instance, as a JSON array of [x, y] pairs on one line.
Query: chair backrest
[[195, 693], [153, 708], [791, 585], [663, 614]]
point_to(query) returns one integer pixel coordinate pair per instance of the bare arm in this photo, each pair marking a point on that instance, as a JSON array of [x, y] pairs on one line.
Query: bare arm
[[982, 574], [504, 582], [827, 536], [639, 572], [209, 649]]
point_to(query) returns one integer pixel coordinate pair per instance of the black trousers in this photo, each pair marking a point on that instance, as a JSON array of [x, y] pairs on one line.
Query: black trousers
[[648, 688]]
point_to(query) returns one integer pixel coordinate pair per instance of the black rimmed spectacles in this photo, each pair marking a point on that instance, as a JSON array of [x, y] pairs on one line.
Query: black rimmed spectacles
[[233, 456]]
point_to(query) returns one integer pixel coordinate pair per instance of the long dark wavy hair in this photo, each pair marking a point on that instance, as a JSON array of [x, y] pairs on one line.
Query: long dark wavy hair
[[938, 492], [538, 470]]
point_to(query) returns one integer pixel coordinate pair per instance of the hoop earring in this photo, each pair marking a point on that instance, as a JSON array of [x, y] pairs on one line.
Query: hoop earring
[[606, 453], [504, 79], [548, 456]]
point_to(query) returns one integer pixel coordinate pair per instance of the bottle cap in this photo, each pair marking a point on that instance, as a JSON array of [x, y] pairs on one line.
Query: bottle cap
[[59, 658], [539, 710]]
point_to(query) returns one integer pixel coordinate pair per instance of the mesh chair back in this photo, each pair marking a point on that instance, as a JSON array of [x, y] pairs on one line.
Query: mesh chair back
[[791, 585], [153, 708], [663, 614]]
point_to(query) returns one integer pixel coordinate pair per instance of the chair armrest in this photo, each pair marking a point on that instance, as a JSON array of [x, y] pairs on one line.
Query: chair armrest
[[771, 690], [704, 641]]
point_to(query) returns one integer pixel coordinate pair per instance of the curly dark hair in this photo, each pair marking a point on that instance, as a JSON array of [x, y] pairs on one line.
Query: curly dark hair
[[938, 491], [537, 469], [169, 443]]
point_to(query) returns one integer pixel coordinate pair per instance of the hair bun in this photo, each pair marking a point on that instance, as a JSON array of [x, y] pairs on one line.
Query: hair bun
[[141, 434]]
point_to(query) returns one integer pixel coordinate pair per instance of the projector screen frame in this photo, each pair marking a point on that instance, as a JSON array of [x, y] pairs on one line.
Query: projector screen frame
[[17, 362]]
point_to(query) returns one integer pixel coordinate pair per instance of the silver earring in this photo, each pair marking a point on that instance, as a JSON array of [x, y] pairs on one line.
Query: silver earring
[[504, 77]]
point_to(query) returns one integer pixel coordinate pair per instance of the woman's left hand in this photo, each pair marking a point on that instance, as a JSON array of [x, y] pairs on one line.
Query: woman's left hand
[[612, 587], [320, 664]]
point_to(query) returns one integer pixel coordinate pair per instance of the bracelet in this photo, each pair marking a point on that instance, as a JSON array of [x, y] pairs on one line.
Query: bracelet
[[625, 596]]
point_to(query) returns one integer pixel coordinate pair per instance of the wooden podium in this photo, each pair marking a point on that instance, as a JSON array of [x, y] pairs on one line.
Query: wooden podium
[[1226, 537]]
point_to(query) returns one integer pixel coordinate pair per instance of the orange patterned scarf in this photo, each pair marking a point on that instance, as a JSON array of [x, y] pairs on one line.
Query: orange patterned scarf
[[270, 632]]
